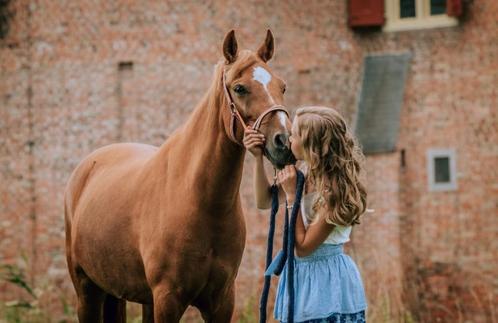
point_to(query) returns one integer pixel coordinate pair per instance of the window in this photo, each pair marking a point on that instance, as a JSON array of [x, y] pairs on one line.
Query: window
[[441, 165], [417, 14], [407, 9], [438, 7]]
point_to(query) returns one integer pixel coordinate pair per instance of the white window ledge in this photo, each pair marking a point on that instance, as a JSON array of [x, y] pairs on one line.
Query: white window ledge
[[419, 23]]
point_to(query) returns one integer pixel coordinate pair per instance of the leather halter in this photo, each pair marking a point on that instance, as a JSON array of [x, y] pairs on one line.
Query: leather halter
[[236, 114]]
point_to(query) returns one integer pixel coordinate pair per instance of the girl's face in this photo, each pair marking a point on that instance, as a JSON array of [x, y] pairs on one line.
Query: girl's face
[[296, 142]]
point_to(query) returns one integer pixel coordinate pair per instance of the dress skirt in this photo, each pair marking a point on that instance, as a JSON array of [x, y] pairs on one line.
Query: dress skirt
[[327, 288]]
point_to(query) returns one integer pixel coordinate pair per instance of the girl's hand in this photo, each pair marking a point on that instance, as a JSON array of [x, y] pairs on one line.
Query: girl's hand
[[254, 141], [287, 178]]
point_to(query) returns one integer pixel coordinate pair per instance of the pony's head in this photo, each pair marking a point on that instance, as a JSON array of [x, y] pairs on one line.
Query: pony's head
[[254, 89]]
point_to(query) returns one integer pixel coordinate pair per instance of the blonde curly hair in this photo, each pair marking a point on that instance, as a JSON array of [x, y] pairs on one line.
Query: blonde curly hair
[[335, 164]]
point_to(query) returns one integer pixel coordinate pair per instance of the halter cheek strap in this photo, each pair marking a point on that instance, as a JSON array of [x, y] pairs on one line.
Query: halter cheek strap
[[235, 114]]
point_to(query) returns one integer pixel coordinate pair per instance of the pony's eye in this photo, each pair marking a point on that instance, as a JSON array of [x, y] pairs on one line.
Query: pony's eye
[[284, 88], [240, 89]]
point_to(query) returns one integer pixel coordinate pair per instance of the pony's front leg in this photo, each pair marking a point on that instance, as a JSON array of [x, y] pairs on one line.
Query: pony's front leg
[[168, 304], [220, 309], [147, 313]]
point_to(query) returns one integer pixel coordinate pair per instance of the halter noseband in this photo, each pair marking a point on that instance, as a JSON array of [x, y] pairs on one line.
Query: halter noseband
[[236, 114]]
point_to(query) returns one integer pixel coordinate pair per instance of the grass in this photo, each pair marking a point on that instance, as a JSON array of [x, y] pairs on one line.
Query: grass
[[382, 285], [26, 307], [248, 314]]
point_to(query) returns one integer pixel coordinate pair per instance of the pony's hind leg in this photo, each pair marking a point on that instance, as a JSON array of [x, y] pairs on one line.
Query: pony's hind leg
[[114, 310], [94, 305], [90, 297]]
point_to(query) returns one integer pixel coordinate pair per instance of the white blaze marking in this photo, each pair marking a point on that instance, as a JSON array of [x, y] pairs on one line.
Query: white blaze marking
[[261, 75], [282, 117], [264, 77]]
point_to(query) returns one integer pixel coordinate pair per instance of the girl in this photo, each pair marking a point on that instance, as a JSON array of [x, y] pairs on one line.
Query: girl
[[328, 286]]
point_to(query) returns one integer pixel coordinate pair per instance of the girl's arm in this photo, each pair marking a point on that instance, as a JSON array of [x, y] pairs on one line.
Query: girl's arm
[[262, 188], [306, 241], [261, 185], [253, 141]]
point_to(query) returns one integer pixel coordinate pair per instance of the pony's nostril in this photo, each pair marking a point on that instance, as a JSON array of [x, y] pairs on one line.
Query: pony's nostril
[[280, 140]]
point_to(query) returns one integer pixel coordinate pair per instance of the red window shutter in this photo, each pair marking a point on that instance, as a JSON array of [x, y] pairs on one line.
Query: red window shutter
[[364, 13], [454, 8]]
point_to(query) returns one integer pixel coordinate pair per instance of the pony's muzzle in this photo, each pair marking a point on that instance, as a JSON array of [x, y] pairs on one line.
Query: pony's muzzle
[[281, 141]]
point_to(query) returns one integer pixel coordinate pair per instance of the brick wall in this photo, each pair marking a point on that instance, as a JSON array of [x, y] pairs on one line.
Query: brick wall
[[76, 75], [448, 239]]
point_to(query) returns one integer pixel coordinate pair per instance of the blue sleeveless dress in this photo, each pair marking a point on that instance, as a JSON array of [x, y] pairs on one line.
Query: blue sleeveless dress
[[327, 283]]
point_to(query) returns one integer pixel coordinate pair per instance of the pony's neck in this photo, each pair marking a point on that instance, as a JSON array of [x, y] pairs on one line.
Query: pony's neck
[[209, 160]]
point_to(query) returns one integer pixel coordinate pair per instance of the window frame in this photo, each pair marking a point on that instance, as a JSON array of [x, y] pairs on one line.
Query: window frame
[[432, 154], [422, 20]]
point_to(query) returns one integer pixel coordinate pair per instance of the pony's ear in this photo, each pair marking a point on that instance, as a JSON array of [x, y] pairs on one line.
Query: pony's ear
[[266, 49], [230, 47]]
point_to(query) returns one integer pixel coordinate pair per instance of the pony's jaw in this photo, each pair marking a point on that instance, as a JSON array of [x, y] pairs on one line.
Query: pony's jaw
[[280, 158]]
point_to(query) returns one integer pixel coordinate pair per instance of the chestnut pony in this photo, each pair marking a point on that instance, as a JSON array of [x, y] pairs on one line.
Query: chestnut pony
[[163, 226]]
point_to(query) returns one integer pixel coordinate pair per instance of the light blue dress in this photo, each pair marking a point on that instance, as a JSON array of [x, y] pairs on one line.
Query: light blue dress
[[327, 283]]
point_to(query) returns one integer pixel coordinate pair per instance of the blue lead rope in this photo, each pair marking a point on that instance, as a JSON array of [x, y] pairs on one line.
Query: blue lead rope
[[286, 254]]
